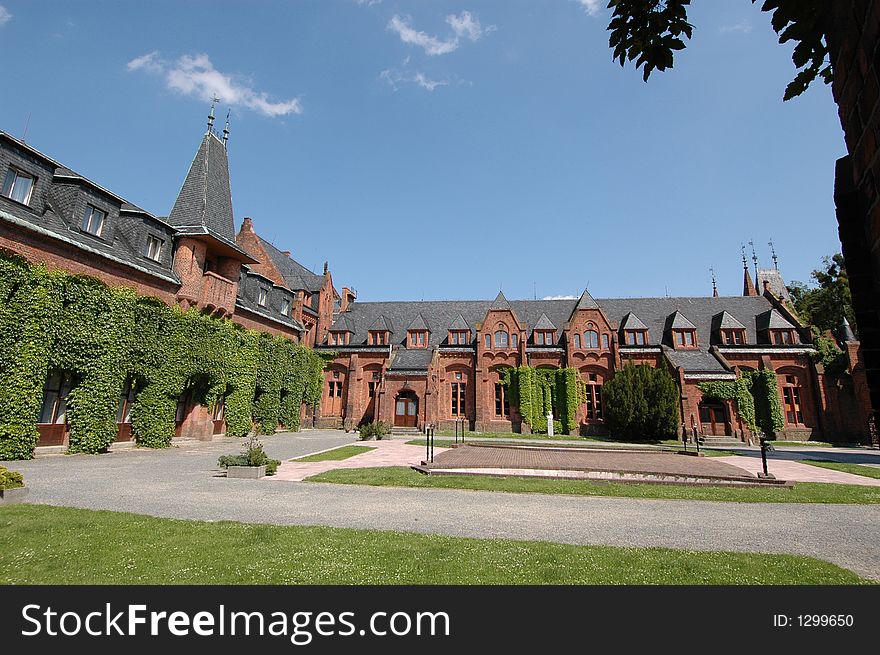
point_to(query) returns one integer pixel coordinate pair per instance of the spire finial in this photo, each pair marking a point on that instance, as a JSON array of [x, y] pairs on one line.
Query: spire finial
[[226, 129], [754, 258], [714, 285], [214, 101], [773, 253], [745, 261]]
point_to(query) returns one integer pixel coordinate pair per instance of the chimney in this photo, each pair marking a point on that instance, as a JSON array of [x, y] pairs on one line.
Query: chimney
[[247, 225], [348, 297], [326, 268], [286, 253]]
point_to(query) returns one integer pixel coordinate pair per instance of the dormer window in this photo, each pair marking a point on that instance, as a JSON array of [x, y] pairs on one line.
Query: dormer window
[[263, 297], [18, 186], [545, 337], [93, 220], [285, 306], [154, 248], [684, 338], [459, 337], [337, 338], [418, 339], [636, 337], [733, 336], [377, 338], [782, 337]]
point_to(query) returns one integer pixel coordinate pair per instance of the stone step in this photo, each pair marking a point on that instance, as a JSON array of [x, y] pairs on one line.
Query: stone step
[[720, 441]]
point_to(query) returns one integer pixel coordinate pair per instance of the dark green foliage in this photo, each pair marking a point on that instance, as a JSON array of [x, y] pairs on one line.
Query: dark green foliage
[[825, 305], [104, 337], [738, 390], [830, 355], [376, 429], [768, 406], [641, 404], [252, 455], [650, 31], [10, 479], [536, 391]]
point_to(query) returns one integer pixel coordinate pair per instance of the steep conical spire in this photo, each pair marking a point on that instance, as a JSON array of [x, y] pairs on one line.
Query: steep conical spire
[[226, 130], [748, 285], [205, 199], [846, 333]]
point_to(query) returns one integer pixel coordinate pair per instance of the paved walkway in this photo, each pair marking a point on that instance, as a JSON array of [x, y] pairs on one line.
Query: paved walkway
[[384, 453], [795, 471], [185, 483]]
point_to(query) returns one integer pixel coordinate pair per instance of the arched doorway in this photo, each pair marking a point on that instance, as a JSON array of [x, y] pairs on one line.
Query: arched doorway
[[713, 419], [406, 409]]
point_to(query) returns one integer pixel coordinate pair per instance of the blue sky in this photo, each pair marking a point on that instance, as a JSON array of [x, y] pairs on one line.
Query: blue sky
[[445, 149]]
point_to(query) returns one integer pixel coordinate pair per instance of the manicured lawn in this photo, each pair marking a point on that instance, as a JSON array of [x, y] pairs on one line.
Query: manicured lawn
[[803, 492], [56, 545], [855, 469], [343, 452]]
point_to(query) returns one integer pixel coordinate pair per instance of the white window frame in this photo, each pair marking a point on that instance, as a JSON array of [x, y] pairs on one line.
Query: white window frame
[[17, 174], [149, 254], [87, 224], [263, 297]]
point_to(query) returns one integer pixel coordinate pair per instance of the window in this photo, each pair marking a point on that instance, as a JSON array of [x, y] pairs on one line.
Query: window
[[735, 337], [577, 340], [263, 297], [591, 339], [18, 186], [783, 337], [126, 398], [544, 337], [153, 249], [684, 338], [378, 338], [337, 338], [55, 391], [791, 397], [488, 341], [93, 220], [458, 397], [593, 401], [605, 341], [418, 339], [501, 339], [372, 385], [513, 340], [218, 410], [459, 337], [285, 306], [502, 406], [636, 337]]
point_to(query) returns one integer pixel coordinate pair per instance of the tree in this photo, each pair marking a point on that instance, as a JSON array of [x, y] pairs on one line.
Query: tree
[[825, 305], [650, 31], [641, 403]]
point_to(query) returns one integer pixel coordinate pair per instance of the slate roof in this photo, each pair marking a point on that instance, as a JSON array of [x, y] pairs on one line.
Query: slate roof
[[586, 301], [632, 322], [205, 199], [777, 284], [772, 319], [296, 276], [342, 324], [726, 321], [544, 323], [418, 323], [695, 361], [459, 324], [678, 321], [381, 323], [416, 359], [500, 302]]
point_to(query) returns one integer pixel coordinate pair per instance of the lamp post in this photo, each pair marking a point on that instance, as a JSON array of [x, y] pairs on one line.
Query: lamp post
[[764, 448]]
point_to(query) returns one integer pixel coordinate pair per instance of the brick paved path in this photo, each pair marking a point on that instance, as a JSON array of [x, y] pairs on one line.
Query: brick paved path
[[471, 457], [383, 453]]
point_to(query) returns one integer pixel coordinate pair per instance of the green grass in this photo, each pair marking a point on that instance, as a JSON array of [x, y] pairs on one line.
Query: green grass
[[803, 492], [855, 469], [476, 436], [57, 545], [344, 452]]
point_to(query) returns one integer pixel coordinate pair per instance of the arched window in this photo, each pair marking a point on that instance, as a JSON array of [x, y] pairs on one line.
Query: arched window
[[513, 340], [591, 339], [501, 339], [488, 341], [577, 341]]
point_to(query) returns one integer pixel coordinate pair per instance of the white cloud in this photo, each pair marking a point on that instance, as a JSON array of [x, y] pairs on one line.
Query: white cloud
[[368, 3], [560, 297], [395, 78], [466, 24], [430, 44], [5, 16], [592, 7], [195, 75], [742, 27]]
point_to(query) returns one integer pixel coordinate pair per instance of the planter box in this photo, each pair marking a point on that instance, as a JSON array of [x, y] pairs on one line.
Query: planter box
[[10, 496], [246, 472]]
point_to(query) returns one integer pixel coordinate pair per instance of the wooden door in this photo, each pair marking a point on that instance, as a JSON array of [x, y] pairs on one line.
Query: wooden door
[[713, 418], [406, 410]]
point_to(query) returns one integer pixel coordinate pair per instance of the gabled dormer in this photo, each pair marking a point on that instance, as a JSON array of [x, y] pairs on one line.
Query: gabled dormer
[[418, 333], [340, 332], [633, 331], [501, 327], [728, 330], [459, 332], [682, 333], [588, 327], [775, 329], [544, 332], [379, 332]]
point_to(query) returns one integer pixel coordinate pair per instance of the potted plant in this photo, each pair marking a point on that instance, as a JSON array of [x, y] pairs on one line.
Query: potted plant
[[253, 463], [12, 489]]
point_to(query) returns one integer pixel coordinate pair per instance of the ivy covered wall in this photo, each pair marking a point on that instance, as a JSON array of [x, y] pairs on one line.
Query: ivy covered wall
[[104, 337], [536, 391], [757, 399]]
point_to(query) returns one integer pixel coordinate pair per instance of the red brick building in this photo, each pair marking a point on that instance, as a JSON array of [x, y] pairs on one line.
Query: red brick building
[[410, 363]]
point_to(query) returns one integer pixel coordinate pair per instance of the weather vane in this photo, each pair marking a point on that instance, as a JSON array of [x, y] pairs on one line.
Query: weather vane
[[714, 285], [773, 252]]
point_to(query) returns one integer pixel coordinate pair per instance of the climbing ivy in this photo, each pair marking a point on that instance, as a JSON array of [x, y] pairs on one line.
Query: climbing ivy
[[105, 337], [536, 391], [757, 398]]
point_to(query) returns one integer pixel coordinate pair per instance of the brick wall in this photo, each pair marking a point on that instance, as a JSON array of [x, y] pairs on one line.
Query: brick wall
[[855, 57]]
